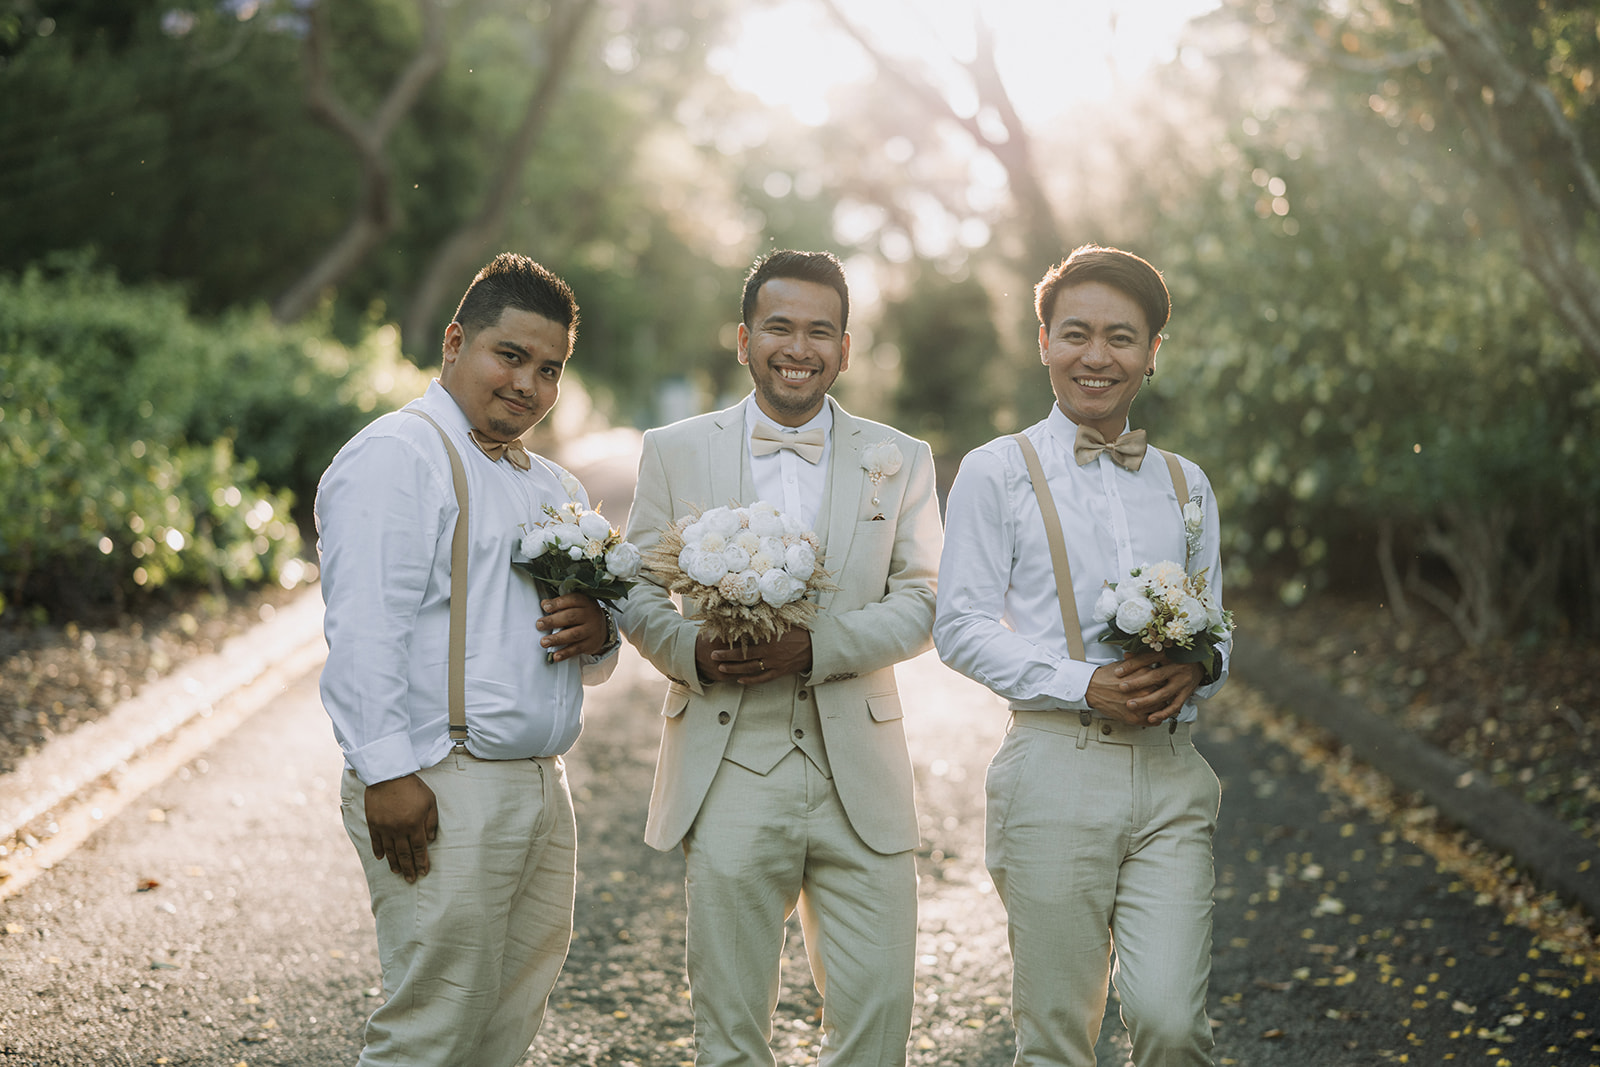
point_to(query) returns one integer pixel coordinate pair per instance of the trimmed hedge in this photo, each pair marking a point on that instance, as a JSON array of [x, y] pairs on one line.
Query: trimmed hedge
[[141, 447]]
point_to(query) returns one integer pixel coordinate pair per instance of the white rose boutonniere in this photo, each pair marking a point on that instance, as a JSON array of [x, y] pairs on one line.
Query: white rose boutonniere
[[880, 461], [1194, 519]]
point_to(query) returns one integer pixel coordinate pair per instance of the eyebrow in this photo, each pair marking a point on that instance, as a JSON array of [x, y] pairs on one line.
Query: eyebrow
[[785, 320], [525, 354], [1072, 320]]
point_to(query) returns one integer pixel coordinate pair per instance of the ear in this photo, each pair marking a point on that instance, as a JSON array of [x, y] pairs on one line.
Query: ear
[[454, 338], [844, 353], [1150, 364], [744, 344], [1044, 343]]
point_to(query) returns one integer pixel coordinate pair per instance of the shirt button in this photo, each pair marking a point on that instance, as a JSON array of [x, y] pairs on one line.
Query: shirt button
[[798, 734], [723, 717], [1106, 729], [804, 695]]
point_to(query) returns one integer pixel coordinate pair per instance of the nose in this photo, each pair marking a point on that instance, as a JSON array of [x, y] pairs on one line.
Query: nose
[[524, 379], [1096, 354]]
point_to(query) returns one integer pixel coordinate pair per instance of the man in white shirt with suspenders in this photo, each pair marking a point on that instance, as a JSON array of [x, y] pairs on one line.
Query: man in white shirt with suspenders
[[1100, 812], [453, 690]]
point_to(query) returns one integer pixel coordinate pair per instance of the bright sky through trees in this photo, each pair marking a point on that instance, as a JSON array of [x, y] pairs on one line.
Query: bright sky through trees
[[1053, 54]]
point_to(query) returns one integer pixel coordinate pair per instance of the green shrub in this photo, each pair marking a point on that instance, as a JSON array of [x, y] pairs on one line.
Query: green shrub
[[141, 447]]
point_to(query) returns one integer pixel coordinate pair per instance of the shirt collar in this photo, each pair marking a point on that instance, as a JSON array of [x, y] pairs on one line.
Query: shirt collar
[[822, 420]]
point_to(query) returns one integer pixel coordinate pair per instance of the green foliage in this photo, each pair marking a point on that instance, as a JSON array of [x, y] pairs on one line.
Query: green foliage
[[948, 344], [142, 447], [1368, 373]]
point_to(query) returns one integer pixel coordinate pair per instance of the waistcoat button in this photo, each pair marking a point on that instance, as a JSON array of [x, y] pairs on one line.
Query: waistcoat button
[[723, 717]]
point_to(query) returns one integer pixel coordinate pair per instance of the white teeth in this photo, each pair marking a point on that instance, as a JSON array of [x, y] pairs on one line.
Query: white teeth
[[1094, 383], [796, 375]]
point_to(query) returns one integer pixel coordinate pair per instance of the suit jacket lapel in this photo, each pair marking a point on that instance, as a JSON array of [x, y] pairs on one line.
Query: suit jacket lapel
[[726, 458], [844, 492]]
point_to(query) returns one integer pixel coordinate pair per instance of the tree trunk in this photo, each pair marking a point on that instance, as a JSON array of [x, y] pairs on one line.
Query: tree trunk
[[375, 215], [464, 250], [1041, 235]]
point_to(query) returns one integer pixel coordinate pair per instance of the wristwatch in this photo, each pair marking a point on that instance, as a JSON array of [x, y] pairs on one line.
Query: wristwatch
[[613, 635]]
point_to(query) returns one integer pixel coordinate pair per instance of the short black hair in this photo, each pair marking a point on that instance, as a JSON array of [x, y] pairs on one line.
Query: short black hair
[[1121, 270], [823, 268], [515, 281]]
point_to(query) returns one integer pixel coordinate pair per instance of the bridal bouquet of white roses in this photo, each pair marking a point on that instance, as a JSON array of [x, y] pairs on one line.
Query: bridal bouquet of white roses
[[578, 551], [1159, 607], [751, 573]]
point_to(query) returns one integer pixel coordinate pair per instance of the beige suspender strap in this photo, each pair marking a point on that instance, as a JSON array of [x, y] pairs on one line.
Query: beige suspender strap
[[1058, 550], [1179, 483], [1058, 543], [458, 590]]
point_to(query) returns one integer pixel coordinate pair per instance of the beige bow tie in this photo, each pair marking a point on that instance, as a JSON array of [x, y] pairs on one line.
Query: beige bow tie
[[1126, 451], [808, 446], [514, 451]]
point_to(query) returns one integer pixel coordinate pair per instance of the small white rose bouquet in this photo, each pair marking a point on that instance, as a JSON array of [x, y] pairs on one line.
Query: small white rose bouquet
[[752, 573], [577, 551], [1159, 607]]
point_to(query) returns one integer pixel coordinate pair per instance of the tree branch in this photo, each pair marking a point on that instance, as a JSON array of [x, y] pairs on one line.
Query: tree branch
[[375, 215]]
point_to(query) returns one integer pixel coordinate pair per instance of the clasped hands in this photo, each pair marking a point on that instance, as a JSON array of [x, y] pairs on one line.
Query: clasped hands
[[1143, 689], [789, 653]]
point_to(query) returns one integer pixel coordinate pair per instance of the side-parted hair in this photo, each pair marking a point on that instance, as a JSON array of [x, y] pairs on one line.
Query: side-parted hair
[[823, 268], [1121, 270], [515, 281]]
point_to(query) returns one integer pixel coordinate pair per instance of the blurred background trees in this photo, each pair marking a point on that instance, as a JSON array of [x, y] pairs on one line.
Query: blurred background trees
[[1378, 219]]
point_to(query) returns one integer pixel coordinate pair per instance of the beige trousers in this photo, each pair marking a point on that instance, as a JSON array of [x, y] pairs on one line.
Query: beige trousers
[[471, 950], [761, 847], [1100, 837]]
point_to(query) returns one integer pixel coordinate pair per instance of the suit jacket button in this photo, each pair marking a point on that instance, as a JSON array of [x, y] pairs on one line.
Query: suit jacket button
[[798, 734], [1106, 729], [723, 717], [804, 695]]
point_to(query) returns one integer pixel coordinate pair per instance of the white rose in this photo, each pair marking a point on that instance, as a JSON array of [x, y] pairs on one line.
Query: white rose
[[575, 552], [792, 527], [722, 521], [1193, 516], [594, 526], [693, 532], [774, 547], [743, 587], [765, 561], [766, 524], [778, 588], [1134, 615], [706, 568], [535, 543], [883, 458], [1214, 616], [1192, 614], [800, 561], [571, 485], [623, 561], [1105, 606], [569, 512], [735, 558]]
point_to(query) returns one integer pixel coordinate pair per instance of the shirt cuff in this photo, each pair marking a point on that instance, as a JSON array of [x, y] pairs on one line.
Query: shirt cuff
[[1072, 683], [385, 759]]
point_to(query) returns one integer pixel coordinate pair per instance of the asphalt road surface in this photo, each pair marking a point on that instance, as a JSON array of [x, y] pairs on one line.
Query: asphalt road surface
[[222, 919]]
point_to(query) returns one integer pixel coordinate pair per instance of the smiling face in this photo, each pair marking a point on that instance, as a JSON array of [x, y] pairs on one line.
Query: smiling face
[[794, 347], [1098, 348], [507, 377]]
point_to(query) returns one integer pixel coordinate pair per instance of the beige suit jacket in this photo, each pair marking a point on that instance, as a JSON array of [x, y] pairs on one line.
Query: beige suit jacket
[[882, 613]]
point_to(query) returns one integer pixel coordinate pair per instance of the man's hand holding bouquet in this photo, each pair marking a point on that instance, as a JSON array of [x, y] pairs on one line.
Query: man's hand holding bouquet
[[577, 551], [749, 576]]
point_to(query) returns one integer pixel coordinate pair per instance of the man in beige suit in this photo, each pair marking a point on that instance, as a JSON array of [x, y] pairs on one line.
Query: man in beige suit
[[783, 770]]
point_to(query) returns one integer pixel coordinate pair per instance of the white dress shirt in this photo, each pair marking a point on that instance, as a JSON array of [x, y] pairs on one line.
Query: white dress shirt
[[784, 479], [998, 618], [386, 511]]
